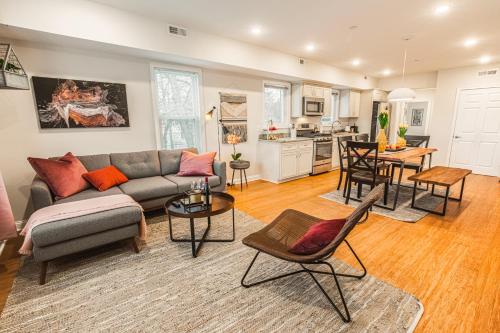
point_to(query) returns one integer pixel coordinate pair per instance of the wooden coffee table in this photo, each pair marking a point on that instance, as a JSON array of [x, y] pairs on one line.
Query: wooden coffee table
[[221, 203]]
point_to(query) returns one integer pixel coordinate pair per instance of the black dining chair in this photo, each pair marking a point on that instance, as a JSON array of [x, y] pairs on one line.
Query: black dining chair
[[363, 170], [362, 137], [413, 141], [342, 145]]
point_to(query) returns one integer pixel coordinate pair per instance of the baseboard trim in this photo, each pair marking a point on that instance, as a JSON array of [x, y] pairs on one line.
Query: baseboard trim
[[249, 179]]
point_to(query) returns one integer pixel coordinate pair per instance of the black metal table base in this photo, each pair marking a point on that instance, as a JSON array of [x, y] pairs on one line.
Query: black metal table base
[[347, 317], [446, 199], [193, 240]]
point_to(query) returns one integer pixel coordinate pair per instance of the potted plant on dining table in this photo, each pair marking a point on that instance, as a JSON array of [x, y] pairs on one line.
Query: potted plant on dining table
[[383, 120], [402, 129]]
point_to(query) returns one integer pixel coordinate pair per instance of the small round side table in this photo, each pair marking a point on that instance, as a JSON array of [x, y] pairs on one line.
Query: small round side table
[[242, 166]]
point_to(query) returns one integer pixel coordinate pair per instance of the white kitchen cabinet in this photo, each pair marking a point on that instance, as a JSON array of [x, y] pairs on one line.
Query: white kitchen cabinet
[[283, 161], [309, 90], [349, 103], [335, 154], [327, 110]]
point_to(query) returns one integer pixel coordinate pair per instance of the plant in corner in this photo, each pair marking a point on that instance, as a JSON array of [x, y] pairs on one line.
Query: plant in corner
[[383, 120], [234, 140]]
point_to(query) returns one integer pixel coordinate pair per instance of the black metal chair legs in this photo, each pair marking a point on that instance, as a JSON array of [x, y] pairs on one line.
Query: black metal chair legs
[[345, 317]]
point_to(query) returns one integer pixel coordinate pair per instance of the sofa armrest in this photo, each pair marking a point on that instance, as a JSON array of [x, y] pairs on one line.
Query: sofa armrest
[[220, 170], [41, 196]]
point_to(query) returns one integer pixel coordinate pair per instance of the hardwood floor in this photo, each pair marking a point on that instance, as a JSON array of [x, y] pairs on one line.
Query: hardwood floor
[[451, 263]]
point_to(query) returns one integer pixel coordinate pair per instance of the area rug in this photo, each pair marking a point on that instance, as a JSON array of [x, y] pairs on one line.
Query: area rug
[[164, 289], [403, 211]]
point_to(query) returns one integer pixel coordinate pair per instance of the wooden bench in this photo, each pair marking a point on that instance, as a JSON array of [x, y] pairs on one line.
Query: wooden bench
[[440, 176]]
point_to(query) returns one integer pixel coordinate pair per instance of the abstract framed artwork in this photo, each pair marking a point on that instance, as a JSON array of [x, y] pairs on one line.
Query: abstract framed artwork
[[66, 103]]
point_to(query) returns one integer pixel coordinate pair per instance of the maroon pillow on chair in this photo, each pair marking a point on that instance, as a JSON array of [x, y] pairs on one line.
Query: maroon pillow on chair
[[317, 236], [63, 175]]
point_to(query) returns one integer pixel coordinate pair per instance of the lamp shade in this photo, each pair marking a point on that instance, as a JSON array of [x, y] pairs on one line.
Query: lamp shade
[[401, 95], [7, 224]]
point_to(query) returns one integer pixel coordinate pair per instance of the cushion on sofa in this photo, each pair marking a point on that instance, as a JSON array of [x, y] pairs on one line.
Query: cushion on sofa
[[184, 183], [170, 160], [149, 188], [137, 164], [89, 194], [62, 175], [95, 162], [197, 164], [105, 178], [64, 230]]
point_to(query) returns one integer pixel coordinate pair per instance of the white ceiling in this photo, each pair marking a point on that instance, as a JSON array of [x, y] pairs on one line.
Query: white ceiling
[[289, 25]]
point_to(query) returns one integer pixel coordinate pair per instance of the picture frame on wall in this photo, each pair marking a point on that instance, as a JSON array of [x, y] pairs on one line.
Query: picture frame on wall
[[233, 107], [68, 103]]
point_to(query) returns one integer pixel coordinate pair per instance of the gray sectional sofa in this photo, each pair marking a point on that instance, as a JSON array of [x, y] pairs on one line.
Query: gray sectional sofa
[[152, 180]]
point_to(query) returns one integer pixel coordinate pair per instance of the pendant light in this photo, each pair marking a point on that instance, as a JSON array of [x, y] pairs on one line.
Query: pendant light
[[402, 94]]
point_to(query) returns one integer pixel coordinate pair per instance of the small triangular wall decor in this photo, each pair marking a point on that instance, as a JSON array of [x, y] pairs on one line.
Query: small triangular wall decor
[[12, 74]]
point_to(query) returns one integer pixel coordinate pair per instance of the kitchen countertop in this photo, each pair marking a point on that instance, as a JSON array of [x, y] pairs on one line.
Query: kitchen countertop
[[284, 140], [341, 134]]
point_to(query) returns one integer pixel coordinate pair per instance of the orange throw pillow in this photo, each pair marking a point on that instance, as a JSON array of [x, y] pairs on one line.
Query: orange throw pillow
[[63, 175], [105, 178]]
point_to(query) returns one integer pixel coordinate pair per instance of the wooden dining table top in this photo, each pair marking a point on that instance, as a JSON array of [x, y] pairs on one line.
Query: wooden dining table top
[[404, 155]]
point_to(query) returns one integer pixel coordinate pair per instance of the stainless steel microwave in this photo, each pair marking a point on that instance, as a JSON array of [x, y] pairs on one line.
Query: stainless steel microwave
[[313, 106]]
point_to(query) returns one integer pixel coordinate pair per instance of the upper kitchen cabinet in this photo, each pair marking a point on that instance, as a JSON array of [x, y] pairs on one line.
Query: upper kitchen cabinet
[[313, 91], [349, 103]]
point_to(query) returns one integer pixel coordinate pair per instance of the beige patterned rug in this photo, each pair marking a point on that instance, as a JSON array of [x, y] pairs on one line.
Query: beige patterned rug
[[164, 289]]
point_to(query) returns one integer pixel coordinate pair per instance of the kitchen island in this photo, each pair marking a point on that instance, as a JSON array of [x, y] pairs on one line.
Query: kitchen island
[[285, 159]]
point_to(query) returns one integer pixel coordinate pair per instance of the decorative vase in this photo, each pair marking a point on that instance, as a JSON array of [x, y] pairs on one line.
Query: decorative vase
[[382, 141], [401, 142]]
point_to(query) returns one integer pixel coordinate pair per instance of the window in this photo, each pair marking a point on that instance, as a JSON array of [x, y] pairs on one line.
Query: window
[[277, 104], [177, 100]]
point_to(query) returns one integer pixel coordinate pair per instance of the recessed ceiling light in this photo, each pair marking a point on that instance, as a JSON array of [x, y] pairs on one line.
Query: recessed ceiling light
[[356, 62], [470, 42], [386, 72], [256, 30], [485, 59], [310, 47], [441, 9]]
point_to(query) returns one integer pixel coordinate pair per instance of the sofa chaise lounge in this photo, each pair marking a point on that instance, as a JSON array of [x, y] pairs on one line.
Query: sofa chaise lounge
[[152, 181]]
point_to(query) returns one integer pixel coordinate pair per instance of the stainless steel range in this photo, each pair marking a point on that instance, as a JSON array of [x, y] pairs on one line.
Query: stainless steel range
[[323, 147]]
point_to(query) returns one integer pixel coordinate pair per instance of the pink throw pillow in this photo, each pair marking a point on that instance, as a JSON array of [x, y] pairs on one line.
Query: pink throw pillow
[[63, 176], [196, 165], [317, 237]]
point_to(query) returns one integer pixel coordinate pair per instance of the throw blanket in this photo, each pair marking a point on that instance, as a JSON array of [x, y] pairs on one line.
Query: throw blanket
[[67, 210]]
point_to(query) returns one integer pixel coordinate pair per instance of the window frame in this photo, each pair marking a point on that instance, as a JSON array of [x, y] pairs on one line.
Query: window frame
[[156, 111], [288, 103]]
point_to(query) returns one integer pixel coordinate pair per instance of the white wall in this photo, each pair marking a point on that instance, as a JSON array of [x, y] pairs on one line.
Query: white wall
[[442, 120], [442, 87], [97, 25], [21, 137]]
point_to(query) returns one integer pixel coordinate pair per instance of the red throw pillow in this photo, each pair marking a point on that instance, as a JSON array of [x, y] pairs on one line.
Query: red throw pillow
[[105, 178], [317, 237], [63, 175], [196, 165]]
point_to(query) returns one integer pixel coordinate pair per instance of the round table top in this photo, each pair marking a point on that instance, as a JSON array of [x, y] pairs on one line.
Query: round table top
[[239, 164], [221, 203]]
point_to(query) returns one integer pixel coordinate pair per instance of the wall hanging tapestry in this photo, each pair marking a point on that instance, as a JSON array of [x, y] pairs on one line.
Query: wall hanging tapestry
[[65, 103], [233, 107]]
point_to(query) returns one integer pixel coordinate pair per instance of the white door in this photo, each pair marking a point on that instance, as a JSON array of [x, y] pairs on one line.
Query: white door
[[288, 164], [305, 161], [476, 140]]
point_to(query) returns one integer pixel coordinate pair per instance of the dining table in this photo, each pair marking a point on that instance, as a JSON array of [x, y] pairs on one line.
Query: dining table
[[400, 158]]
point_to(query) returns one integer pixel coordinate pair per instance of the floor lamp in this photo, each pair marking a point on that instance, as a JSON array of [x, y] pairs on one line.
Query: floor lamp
[[208, 116]]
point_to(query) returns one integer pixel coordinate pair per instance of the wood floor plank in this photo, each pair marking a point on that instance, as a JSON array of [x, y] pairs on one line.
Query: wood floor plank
[[451, 263]]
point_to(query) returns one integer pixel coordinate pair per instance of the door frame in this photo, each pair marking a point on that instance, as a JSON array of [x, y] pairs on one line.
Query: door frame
[[455, 115]]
